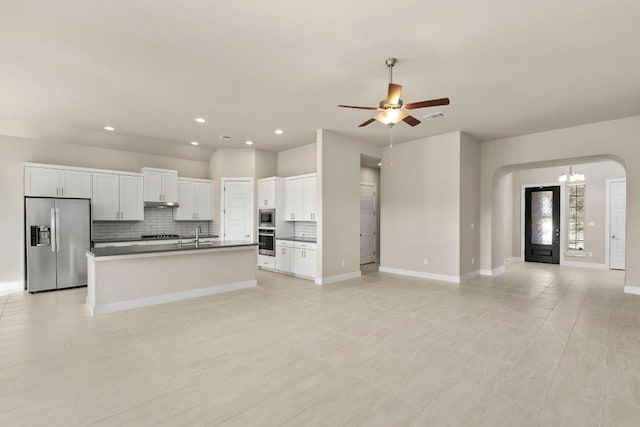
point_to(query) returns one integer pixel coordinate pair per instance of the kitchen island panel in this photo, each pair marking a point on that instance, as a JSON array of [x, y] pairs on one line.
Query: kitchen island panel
[[120, 283]]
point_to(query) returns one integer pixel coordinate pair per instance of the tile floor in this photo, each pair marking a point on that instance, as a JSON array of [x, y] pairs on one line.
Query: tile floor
[[538, 346]]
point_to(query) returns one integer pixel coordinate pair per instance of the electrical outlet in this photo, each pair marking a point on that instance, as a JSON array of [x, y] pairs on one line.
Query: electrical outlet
[[590, 254], [473, 225], [473, 260], [343, 263], [426, 261]]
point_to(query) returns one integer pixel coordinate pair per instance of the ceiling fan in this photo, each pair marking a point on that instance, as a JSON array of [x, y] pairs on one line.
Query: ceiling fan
[[392, 110]]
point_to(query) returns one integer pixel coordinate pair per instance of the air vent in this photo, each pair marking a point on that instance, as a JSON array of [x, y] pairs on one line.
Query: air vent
[[225, 137], [434, 116]]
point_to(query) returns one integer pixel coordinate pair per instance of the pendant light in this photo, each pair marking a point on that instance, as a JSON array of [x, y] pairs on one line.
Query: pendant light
[[572, 176]]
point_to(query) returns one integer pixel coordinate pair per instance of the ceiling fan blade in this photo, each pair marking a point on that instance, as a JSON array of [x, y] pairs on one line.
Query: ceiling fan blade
[[411, 121], [368, 122], [430, 103], [359, 108], [393, 96]]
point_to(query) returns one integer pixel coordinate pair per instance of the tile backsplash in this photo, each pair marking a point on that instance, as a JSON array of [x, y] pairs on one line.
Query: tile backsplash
[[156, 221], [304, 229]]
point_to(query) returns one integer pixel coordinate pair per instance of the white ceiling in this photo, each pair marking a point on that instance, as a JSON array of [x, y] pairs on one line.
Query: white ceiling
[[148, 68]]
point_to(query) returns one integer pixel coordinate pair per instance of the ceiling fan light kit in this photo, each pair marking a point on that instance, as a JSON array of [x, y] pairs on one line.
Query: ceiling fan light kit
[[392, 109]]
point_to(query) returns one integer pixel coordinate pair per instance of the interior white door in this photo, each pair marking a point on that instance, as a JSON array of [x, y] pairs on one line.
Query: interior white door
[[367, 223], [617, 225], [238, 195]]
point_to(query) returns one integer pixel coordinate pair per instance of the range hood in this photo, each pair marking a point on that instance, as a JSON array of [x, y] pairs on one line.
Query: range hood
[[161, 205]]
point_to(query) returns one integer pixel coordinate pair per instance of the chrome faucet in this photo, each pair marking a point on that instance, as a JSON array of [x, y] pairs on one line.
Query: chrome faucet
[[198, 231]]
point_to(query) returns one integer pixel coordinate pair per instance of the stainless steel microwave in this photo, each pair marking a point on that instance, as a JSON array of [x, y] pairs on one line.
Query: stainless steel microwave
[[267, 217]]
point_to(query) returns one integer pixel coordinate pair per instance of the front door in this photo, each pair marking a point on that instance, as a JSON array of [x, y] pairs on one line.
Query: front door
[[237, 208], [617, 226], [542, 225]]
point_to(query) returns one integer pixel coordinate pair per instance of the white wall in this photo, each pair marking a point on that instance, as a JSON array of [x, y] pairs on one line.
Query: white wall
[[469, 205], [616, 139], [266, 164], [297, 161], [372, 176], [420, 206], [596, 175], [15, 151], [339, 203]]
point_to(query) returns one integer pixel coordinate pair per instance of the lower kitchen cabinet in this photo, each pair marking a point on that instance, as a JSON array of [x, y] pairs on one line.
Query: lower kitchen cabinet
[[304, 263], [267, 262], [297, 258], [284, 256]]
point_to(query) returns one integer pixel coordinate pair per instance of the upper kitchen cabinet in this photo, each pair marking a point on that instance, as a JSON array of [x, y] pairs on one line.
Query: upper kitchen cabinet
[[194, 199], [309, 194], [57, 182], [160, 185], [300, 198], [267, 192], [117, 197]]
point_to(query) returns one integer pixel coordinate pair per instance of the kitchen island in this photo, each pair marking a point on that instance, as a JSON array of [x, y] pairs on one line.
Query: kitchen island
[[120, 278]]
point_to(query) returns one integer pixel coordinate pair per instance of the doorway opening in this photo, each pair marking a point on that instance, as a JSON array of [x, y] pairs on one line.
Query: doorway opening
[[369, 212], [367, 223]]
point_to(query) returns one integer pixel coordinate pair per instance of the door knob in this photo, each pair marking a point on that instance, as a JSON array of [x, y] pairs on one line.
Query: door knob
[[613, 237]]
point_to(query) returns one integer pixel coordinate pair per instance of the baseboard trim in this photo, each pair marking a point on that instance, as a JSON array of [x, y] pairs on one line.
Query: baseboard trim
[[337, 278], [495, 272], [470, 275], [635, 290], [172, 297], [11, 287], [584, 265], [421, 274], [514, 259]]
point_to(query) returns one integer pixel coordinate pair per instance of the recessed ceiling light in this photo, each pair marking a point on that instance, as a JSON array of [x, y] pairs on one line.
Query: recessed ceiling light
[[195, 143], [109, 128], [249, 142], [279, 131], [224, 137], [200, 120]]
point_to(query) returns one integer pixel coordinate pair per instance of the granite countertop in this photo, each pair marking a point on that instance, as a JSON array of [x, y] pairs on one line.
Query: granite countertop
[[298, 239], [140, 239], [150, 249]]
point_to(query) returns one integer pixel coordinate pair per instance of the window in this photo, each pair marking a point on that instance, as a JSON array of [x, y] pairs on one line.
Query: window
[[575, 242]]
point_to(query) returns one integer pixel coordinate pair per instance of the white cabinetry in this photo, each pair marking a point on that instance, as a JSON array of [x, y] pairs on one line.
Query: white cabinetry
[[160, 185], [309, 197], [284, 256], [117, 197], [53, 182], [267, 193], [300, 198], [304, 263], [267, 262], [298, 258], [194, 198]]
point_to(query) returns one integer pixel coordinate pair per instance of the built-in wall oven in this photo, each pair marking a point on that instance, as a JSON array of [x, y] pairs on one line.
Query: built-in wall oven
[[267, 241], [267, 217]]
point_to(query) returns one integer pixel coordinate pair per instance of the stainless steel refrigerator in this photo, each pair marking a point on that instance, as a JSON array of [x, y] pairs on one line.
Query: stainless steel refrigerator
[[58, 233]]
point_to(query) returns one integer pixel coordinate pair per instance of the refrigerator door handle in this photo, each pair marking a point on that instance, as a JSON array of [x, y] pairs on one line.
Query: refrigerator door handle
[[57, 228], [54, 230]]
